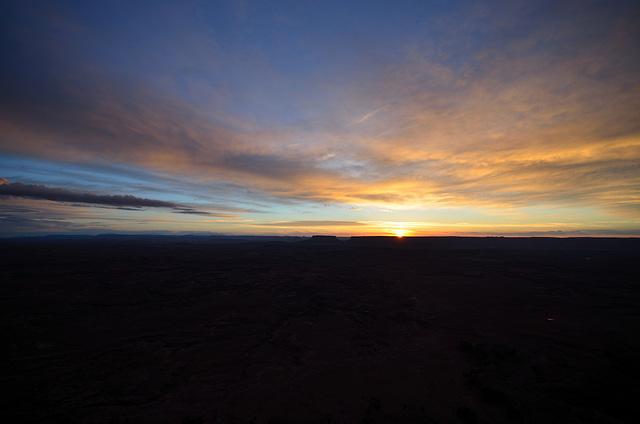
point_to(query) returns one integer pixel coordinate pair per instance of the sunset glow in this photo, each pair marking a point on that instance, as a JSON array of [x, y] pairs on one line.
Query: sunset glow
[[400, 233], [300, 118]]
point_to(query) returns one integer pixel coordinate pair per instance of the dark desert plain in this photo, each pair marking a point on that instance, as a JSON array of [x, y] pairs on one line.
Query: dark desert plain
[[114, 329]]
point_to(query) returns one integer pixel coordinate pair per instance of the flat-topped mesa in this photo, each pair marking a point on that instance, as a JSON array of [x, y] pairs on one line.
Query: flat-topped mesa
[[320, 239]]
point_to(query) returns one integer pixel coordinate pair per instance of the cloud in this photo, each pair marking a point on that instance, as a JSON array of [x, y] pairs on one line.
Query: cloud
[[22, 217], [12, 225], [365, 117], [40, 191], [312, 224], [204, 213]]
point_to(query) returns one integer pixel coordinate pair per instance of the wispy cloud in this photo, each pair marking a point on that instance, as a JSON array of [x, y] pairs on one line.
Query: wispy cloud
[[306, 224], [40, 191], [365, 117]]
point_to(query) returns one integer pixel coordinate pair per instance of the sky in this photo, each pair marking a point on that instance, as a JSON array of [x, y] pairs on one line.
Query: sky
[[414, 118]]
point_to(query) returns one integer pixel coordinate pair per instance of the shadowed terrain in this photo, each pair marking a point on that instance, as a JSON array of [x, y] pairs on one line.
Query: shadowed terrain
[[370, 330]]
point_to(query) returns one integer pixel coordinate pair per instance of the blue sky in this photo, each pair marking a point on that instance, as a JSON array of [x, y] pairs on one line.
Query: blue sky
[[349, 118]]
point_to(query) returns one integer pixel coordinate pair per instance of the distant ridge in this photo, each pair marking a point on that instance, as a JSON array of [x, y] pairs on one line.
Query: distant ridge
[[198, 238], [493, 242], [428, 243]]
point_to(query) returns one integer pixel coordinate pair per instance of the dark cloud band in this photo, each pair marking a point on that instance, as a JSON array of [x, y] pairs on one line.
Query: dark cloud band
[[40, 191]]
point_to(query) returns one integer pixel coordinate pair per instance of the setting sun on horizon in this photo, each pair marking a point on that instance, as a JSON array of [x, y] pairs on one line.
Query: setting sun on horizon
[[400, 233]]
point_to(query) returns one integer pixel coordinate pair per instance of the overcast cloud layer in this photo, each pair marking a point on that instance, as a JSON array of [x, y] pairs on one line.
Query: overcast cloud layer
[[428, 117]]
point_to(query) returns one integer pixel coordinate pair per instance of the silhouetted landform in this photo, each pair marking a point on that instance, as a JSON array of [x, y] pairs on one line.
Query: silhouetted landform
[[499, 242], [164, 238], [324, 240], [199, 329], [373, 241]]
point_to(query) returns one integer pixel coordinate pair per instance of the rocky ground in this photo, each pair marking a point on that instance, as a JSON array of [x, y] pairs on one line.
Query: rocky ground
[[392, 331]]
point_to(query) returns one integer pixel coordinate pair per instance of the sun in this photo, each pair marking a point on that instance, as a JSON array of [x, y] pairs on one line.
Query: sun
[[399, 232]]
